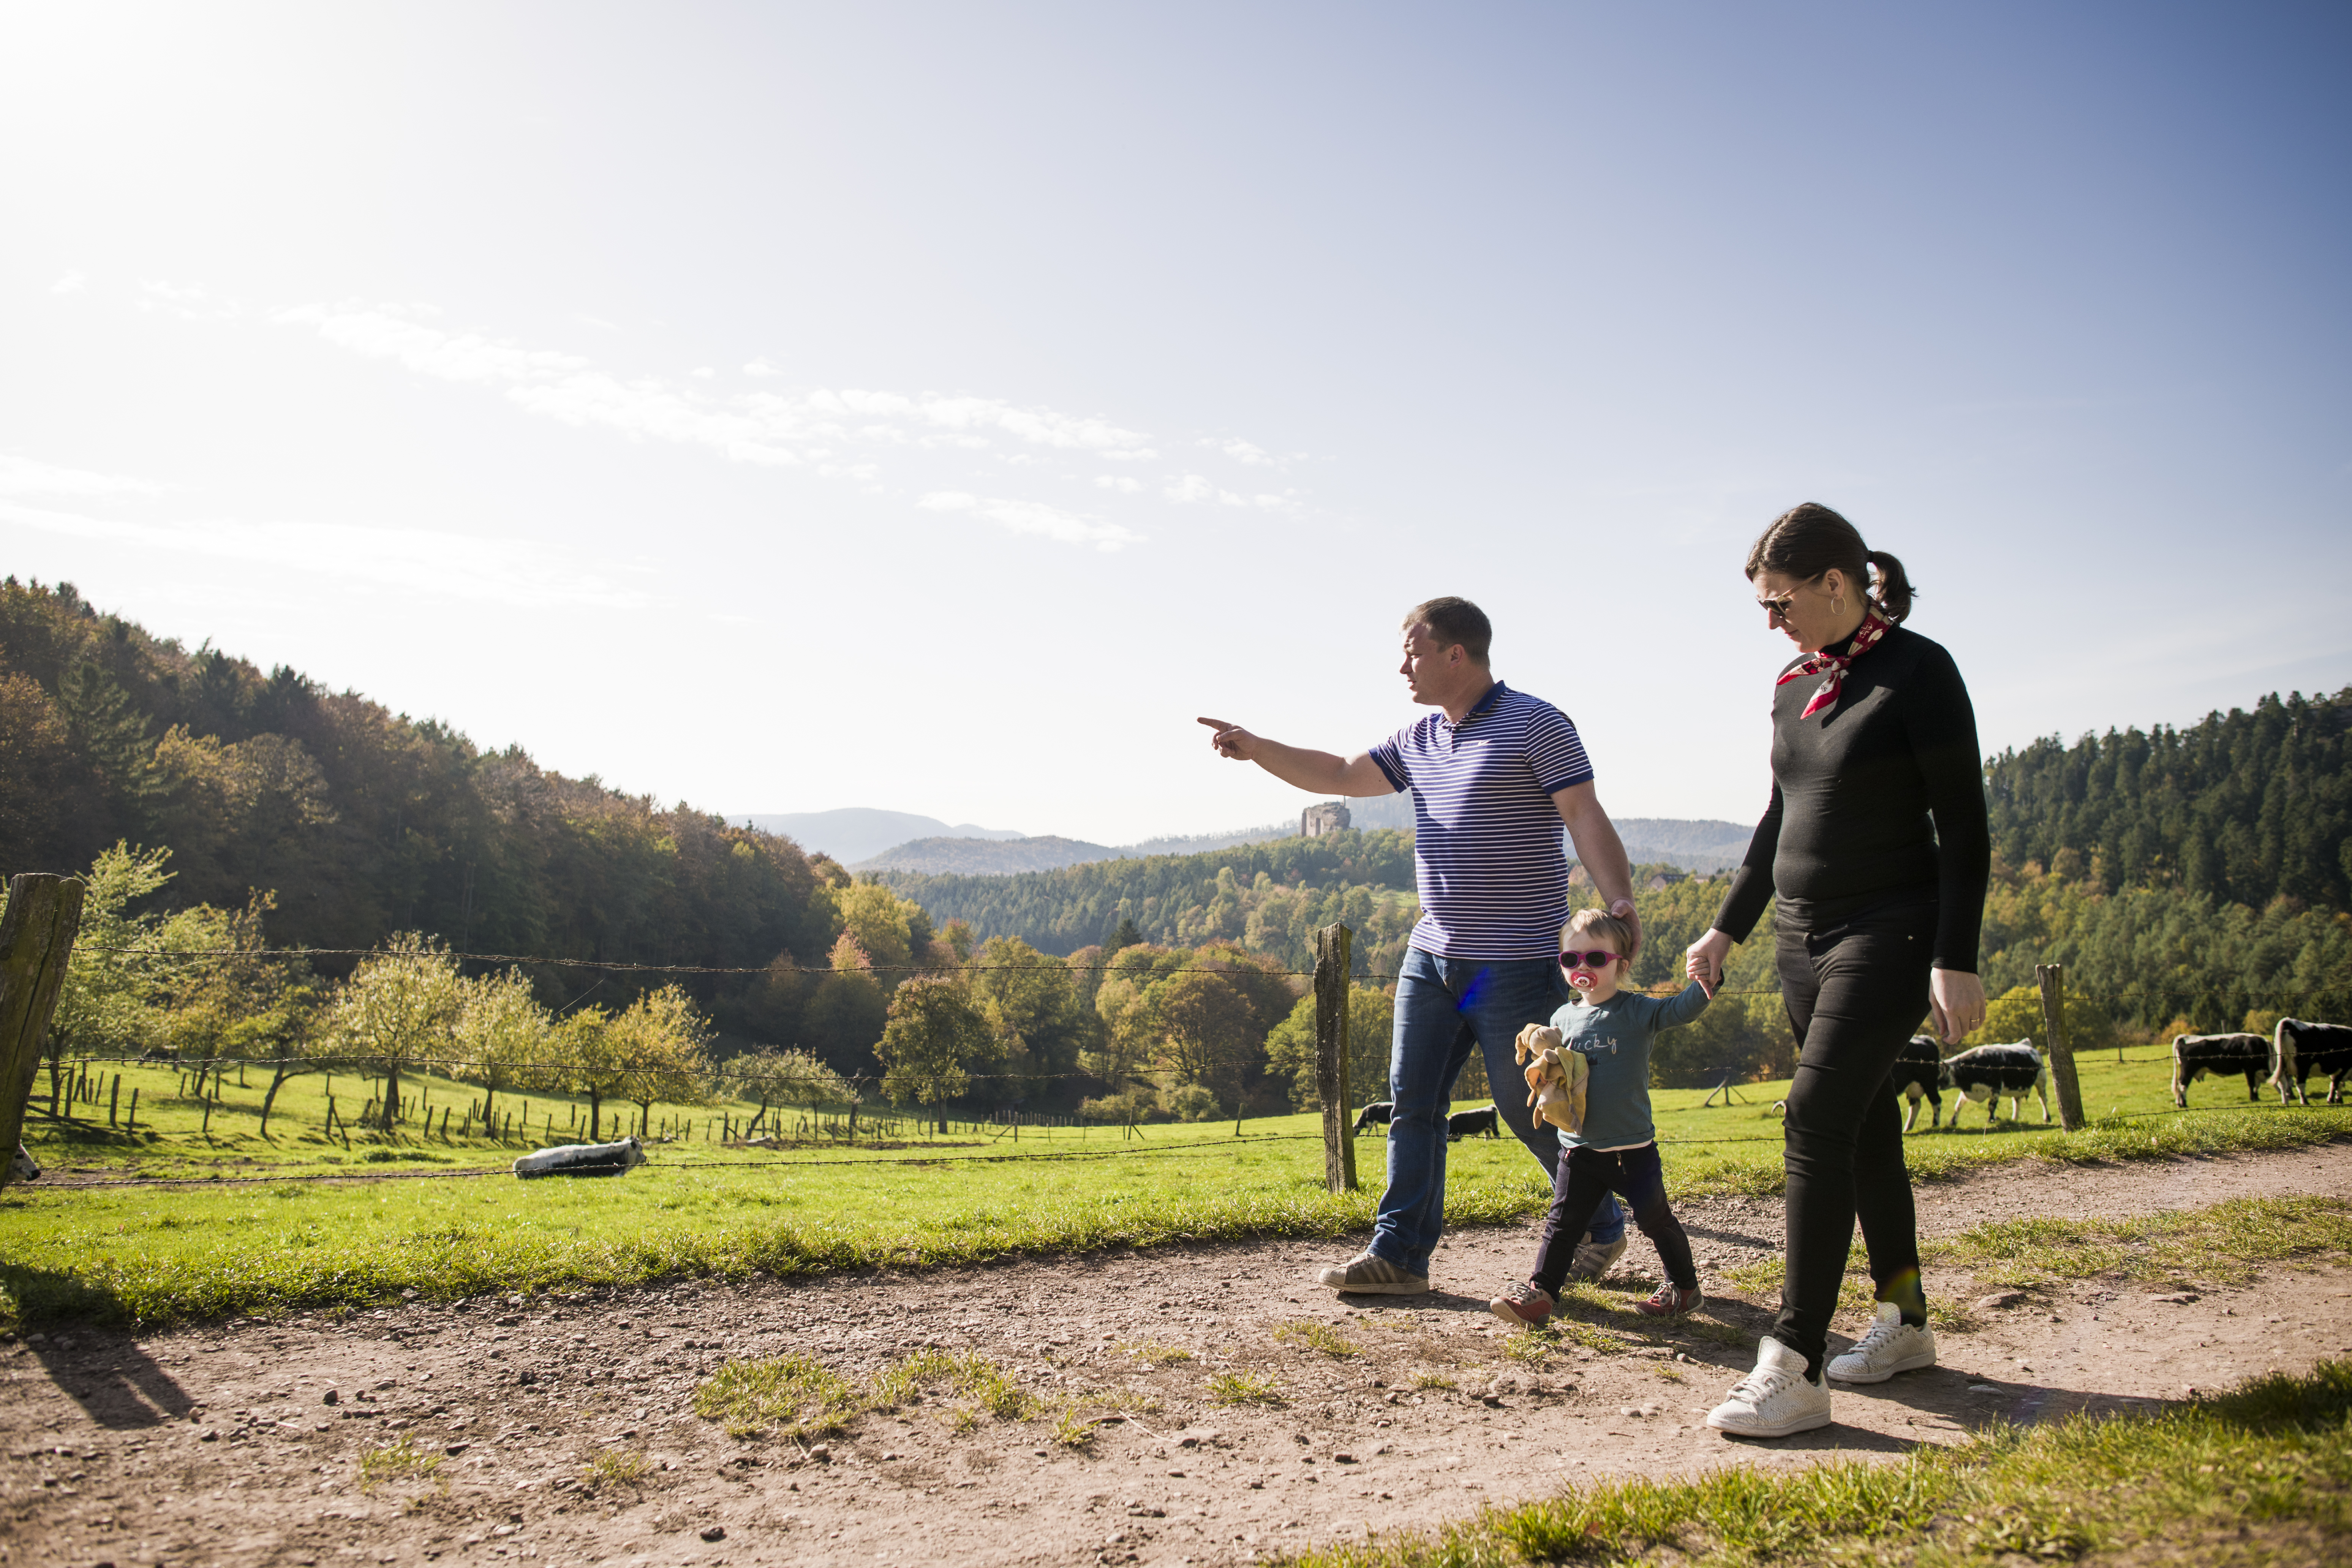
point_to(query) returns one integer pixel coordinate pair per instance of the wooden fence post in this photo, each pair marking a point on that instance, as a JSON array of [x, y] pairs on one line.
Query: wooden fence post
[[37, 936], [1331, 965], [2052, 978]]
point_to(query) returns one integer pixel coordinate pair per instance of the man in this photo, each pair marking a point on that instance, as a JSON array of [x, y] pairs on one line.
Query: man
[[1493, 777]]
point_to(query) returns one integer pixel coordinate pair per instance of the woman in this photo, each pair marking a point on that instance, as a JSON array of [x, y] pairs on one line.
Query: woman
[[1876, 847]]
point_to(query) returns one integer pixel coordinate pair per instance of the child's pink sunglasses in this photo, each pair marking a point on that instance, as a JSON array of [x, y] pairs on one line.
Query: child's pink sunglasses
[[1598, 960]]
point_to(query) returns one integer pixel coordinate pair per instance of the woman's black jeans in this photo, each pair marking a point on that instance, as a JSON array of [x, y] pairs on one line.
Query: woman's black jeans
[[1855, 985]]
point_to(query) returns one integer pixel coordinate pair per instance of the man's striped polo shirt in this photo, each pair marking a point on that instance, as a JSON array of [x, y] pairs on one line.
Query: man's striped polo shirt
[[1487, 851]]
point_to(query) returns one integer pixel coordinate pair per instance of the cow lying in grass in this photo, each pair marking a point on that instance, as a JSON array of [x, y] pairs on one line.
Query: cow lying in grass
[[21, 1168], [2299, 1049], [1918, 1074], [2194, 1056], [582, 1160], [1988, 1072]]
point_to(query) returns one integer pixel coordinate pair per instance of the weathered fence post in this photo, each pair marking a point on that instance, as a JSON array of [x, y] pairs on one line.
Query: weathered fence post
[[37, 936], [2052, 978], [1331, 945]]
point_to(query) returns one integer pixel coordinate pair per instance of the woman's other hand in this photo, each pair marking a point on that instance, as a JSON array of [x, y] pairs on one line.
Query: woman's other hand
[[1957, 998], [1704, 960]]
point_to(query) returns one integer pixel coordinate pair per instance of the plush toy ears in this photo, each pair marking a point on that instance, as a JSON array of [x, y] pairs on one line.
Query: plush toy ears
[[1536, 1038]]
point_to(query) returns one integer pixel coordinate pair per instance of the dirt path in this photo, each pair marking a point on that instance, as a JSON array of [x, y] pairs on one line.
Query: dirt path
[[217, 1445]]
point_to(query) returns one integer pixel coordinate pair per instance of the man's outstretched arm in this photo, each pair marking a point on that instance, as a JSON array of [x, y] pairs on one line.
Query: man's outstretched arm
[[1600, 849], [1320, 773]]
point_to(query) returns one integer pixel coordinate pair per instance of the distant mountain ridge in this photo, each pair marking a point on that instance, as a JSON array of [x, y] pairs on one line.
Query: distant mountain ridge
[[987, 857], [1695, 845], [858, 832]]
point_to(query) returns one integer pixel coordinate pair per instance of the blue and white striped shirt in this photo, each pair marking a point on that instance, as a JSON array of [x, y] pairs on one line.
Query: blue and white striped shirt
[[1487, 852]]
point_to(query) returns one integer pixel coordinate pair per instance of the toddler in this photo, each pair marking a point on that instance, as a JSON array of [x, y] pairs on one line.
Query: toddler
[[1616, 1148]]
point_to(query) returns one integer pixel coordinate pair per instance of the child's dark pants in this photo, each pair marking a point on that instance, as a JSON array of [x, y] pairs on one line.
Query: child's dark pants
[[1588, 1176]]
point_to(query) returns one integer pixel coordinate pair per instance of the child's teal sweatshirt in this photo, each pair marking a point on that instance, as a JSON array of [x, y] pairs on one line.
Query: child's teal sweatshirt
[[1613, 1036]]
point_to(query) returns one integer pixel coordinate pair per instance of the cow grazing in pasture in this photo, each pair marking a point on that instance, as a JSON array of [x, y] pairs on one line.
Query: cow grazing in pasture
[[2194, 1056], [1988, 1072], [1376, 1114], [22, 1168], [1470, 1124], [1918, 1074], [2299, 1049]]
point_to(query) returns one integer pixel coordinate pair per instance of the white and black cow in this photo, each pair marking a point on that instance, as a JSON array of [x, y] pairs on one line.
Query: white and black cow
[[2299, 1049], [2194, 1056], [1988, 1072], [22, 1168], [1918, 1074]]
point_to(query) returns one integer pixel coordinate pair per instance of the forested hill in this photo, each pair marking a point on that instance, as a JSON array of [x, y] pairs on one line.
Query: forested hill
[[2243, 806], [1269, 896], [362, 821]]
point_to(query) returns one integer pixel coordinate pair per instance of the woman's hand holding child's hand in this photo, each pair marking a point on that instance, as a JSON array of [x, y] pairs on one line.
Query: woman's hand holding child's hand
[[1704, 960]]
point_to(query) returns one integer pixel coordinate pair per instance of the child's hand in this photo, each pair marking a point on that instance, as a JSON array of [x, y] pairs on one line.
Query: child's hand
[[1703, 960]]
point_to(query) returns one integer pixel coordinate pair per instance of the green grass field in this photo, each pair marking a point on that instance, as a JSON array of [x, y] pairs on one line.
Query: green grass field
[[2261, 1474], [456, 1225]]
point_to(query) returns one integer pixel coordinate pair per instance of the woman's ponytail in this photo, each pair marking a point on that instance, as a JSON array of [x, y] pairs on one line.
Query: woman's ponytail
[[1889, 586], [1806, 540]]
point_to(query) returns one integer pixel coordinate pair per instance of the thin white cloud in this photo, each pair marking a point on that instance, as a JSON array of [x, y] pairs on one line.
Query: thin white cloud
[[71, 283], [835, 432], [511, 572], [1192, 487], [186, 301], [1032, 518], [23, 477]]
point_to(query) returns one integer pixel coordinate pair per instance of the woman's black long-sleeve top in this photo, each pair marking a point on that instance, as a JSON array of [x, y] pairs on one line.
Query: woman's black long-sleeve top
[[1881, 793]]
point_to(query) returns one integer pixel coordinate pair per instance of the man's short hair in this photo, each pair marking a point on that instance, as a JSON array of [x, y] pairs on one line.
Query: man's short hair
[[1453, 623]]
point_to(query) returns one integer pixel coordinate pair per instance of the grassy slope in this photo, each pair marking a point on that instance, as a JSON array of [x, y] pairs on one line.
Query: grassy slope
[[2261, 1474], [160, 1253]]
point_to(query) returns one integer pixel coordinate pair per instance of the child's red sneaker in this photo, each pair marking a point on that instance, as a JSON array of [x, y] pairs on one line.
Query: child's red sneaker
[[1523, 1307], [1670, 1301]]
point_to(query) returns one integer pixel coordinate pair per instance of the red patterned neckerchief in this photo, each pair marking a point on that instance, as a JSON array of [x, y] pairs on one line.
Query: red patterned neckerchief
[[1873, 627]]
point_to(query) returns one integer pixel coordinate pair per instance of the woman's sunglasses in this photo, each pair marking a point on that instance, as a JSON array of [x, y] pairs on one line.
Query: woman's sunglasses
[[1596, 959]]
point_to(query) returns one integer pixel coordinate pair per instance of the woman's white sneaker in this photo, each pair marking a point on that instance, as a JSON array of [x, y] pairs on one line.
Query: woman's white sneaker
[[1774, 1400], [1891, 1346]]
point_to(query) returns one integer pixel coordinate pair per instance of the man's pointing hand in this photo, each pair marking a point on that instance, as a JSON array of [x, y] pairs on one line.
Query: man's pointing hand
[[1231, 740]]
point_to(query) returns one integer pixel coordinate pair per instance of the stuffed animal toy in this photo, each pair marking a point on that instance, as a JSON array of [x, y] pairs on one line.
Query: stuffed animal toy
[[1556, 1077]]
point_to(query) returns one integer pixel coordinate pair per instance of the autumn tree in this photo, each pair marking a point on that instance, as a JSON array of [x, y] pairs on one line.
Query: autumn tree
[[931, 1043], [503, 1034], [772, 1075], [396, 1012]]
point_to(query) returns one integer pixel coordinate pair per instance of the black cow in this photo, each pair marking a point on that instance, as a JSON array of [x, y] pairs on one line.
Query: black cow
[[2194, 1056], [1375, 1114], [1988, 1072], [2298, 1049], [1918, 1072], [1470, 1123]]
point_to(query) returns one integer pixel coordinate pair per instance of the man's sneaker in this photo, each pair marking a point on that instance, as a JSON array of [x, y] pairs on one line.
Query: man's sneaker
[[1774, 1400], [1670, 1301], [1522, 1306], [1595, 1258], [1891, 1346], [1365, 1275]]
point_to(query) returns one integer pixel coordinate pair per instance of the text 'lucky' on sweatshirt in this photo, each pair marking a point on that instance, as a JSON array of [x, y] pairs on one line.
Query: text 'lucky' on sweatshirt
[[1613, 1038]]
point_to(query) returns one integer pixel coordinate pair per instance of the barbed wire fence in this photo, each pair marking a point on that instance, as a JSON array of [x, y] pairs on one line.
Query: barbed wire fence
[[1333, 977]]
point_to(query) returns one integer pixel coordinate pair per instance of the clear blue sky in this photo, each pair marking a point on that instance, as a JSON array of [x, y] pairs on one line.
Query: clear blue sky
[[936, 406]]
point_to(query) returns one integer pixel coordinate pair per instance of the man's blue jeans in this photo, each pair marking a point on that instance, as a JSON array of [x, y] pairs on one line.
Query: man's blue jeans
[[1443, 1008]]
